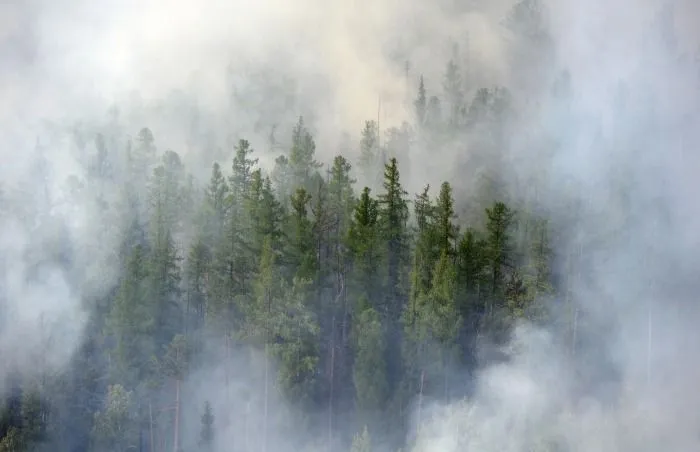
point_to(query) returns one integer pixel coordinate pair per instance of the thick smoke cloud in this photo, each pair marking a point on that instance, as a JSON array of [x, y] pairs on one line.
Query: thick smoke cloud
[[630, 129]]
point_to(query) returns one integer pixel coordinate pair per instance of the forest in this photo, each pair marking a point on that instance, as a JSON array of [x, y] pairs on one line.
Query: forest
[[298, 298]]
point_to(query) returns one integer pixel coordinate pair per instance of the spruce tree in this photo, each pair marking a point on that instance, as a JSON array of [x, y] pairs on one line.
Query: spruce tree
[[206, 432]]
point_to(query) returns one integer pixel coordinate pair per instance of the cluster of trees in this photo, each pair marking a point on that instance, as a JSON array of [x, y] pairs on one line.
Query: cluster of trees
[[362, 300], [357, 299]]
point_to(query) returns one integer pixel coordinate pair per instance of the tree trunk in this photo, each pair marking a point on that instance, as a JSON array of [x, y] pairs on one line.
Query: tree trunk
[[247, 426], [267, 370], [420, 403], [150, 426], [330, 398], [176, 435]]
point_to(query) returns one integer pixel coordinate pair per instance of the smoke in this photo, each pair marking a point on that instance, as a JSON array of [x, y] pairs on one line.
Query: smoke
[[56, 261], [198, 74], [624, 143]]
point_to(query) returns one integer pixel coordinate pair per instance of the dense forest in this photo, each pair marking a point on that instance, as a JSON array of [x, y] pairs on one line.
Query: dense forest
[[322, 304]]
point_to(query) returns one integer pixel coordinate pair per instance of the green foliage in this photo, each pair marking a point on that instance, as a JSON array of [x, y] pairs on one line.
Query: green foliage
[[369, 371], [13, 441], [356, 299], [281, 320], [115, 426], [370, 153], [175, 358], [242, 171], [301, 253], [131, 321], [392, 219], [447, 231], [361, 442], [364, 243], [499, 246], [302, 156]]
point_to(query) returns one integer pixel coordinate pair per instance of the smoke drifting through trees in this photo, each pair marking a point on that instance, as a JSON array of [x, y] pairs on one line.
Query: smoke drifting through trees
[[541, 297]]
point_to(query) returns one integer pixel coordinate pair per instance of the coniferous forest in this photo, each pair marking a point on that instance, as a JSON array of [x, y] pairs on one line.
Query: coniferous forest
[[288, 295]]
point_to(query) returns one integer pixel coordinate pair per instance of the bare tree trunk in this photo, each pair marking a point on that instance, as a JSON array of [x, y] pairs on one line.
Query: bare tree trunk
[[574, 327], [445, 369], [649, 337], [267, 370], [420, 403], [330, 398], [150, 425], [228, 367], [176, 436], [247, 426], [268, 297], [574, 332]]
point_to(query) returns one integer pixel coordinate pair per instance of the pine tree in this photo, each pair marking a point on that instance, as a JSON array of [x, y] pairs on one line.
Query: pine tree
[[280, 320], [131, 322], [164, 288], [538, 278], [421, 102], [302, 156], [447, 232], [13, 441], [453, 94], [242, 171], [301, 257], [506, 291], [173, 366], [369, 372], [198, 266], [370, 158], [115, 426], [215, 206], [500, 219], [206, 432], [364, 244], [393, 217], [361, 442], [283, 179], [472, 278], [35, 415], [423, 252], [266, 213]]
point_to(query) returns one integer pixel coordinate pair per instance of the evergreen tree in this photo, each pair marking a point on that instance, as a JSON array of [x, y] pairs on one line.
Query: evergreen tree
[[506, 292], [283, 179], [472, 277], [500, 219], [301, 256], [369, 372], [131, 323], [302, 156], [447, 232], [370, 157], [215, 206], [115, 426], [452, 88], [364, 244], [361, 442], [421, 102], [242, 173], [13, 441], [206, 433], [393, 217]]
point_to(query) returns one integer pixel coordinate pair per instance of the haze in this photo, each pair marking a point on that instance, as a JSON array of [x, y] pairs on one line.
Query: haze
[[543, 299]]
